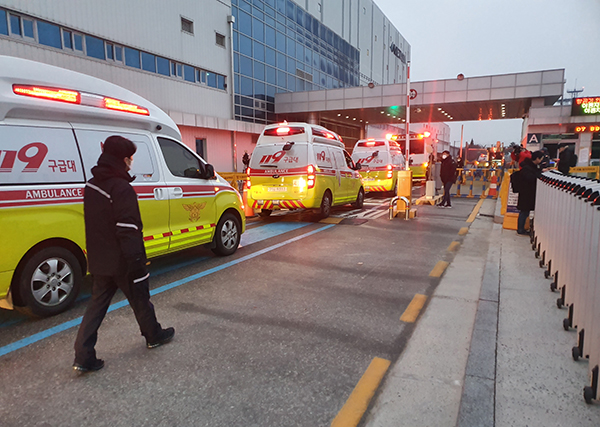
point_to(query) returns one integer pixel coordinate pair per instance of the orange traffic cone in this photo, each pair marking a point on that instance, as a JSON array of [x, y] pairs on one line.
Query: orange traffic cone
[[248, 209], [494, 186]]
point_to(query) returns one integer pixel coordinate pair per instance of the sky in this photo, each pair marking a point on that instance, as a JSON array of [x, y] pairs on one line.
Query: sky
[[485, 37]]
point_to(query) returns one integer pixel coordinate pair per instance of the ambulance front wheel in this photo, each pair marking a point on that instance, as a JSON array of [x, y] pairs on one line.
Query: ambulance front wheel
[[325, 208], [227, 235], [50, 281]]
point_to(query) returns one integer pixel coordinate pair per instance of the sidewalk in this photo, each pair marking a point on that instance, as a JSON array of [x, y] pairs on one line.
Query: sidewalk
[[489, 349]]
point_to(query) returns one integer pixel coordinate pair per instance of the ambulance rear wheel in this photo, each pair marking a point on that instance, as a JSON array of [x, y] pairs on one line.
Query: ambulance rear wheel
[[265, 212], [325, 208], [50, 281], [360, 199], [227, 235]]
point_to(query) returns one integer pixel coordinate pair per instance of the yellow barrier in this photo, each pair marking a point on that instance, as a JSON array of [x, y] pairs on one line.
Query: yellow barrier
[[234, 179], [586, 169]]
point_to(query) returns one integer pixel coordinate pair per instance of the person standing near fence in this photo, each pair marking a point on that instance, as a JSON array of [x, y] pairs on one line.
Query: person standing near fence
[[566, 158], [448, 176], [524, 183]]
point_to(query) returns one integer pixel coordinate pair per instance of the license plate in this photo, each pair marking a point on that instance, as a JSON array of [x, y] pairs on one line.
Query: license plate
[[369, 179], [276, 189]]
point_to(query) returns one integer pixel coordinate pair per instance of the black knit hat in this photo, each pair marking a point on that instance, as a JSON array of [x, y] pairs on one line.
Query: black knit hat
[[119, 147]]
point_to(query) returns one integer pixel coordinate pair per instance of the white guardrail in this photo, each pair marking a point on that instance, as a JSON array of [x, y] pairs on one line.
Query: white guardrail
[[566, 237]]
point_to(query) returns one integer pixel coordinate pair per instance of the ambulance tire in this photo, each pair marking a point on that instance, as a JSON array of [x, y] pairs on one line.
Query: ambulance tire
[[265, 212], [326, 202], [63, 280], [227, 235], [360, 199]]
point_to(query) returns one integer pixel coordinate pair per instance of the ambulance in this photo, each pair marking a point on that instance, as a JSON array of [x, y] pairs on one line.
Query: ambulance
[[380, 159], [52, 124], [302, 166]]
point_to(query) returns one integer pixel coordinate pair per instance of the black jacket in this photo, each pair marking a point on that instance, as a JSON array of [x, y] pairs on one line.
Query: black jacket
[[448, 170], [528, 176], [113, 226], [566, 160]]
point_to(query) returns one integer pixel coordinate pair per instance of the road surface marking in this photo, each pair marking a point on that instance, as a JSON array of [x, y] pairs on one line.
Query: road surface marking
[[475, 211], [357, 403], [453, 246], [439, 269], [414, 308], [463, 231], [75, 322], [331, 220]]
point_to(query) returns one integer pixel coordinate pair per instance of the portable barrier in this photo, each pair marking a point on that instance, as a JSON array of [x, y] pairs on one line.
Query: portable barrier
[[566, 236], [479, 183]]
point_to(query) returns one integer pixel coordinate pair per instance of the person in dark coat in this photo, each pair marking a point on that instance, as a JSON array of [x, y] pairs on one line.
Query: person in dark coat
[[116, 253], [448, 176], [527, 182], [566, 158]]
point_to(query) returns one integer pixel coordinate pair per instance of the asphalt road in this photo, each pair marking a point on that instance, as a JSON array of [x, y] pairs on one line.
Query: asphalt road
[[278, 334]]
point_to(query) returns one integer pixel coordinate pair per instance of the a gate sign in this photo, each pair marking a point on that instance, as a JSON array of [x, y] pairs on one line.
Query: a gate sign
[[534, 138]]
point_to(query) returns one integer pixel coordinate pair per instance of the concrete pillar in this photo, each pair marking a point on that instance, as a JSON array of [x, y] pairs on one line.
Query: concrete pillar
[[363, 131], [583, 149], [313, 118]]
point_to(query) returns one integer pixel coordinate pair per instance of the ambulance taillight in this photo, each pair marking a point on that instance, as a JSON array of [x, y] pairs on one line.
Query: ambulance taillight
[[310, 182], [389, 171], [54, 94]]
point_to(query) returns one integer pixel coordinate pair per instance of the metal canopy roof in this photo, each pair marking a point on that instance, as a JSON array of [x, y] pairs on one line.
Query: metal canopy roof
[[504, 96]]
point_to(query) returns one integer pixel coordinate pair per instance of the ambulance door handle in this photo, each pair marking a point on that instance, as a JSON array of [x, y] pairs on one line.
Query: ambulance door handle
[[160, 194], [176, 192]]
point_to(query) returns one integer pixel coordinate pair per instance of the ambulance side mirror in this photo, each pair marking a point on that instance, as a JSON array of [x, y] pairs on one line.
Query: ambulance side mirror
[[208, 172], [357, 167]]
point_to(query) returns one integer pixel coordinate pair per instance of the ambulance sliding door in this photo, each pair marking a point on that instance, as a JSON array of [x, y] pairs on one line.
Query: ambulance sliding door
[[149, 184]]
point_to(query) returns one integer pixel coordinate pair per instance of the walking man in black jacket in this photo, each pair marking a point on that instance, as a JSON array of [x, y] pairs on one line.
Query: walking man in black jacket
[[116, 253], [448, 176], [566, 158]]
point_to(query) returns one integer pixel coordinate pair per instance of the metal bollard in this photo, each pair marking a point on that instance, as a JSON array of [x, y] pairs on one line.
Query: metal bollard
[[406, 210]]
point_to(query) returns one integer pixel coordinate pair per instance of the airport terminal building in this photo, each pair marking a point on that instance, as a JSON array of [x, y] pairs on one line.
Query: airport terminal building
[[215, 65]]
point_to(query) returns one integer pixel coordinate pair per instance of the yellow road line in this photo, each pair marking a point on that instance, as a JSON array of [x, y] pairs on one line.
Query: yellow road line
[[357, 403], [413, 309], [453, 246], [475, 211], [331, 220], [439, 269], [463, 231]]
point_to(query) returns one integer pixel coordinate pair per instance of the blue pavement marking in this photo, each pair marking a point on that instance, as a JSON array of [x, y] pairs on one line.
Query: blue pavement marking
[[267, 231], [255, 235], [75, 322]]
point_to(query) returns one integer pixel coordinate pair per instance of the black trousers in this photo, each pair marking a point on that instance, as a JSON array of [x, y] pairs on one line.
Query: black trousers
[[446, 198], [103, 290]]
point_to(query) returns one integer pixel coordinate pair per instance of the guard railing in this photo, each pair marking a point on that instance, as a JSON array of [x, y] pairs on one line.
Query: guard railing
[[566, 236]]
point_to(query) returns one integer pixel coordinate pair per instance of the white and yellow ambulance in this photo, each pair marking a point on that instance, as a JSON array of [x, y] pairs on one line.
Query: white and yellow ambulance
[[379, 160], [302, 166], [52, 124]]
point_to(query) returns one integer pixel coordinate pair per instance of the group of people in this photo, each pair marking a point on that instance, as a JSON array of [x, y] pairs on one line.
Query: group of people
[[530, 164]]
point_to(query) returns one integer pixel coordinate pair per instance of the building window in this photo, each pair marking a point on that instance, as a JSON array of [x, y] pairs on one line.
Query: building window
[[49, 34], [220, 39], [201, 147], [94, 47], [3, 23], [132, 57], [187, 26], [15, 24], [78, 42]]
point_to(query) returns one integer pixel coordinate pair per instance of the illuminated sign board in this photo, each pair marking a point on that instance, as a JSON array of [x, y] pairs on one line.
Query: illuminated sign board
[[585, 106], [587, 128]]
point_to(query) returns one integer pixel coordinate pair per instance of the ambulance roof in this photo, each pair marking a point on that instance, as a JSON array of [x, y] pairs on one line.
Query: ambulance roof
[[18, 71], [320, 134]]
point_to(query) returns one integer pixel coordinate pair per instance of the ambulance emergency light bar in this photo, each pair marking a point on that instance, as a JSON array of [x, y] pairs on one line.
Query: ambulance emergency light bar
[[81, 98], [412, 137]]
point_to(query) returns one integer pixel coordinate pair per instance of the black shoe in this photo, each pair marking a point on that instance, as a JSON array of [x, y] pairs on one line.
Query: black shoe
[[163, 337], [96, 365], [523, 233]]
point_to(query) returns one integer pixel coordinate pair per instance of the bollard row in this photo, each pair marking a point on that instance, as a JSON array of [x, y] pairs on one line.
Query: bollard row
[[566, 238]]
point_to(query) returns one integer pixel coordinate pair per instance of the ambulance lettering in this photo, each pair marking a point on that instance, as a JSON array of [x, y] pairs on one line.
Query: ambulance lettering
[[372, 158], [54, 193], [322, 157], [276, 157], [33, 159]]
